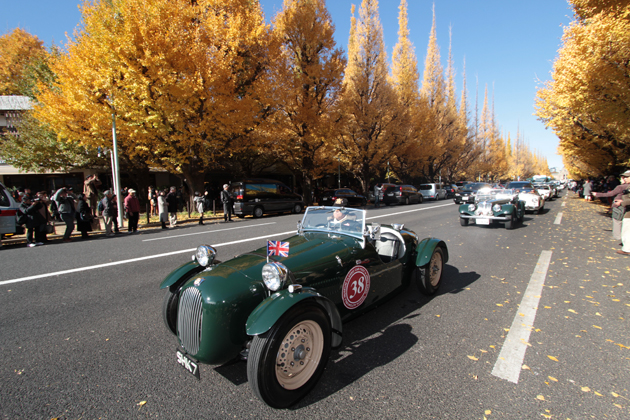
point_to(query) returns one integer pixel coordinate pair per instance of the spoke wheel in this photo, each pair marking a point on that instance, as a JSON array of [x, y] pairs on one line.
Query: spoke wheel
[[285, 363], [429, 277]]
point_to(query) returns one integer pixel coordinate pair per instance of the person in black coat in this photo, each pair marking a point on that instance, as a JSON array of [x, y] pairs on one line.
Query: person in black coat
[[31, 217], [84, 216]]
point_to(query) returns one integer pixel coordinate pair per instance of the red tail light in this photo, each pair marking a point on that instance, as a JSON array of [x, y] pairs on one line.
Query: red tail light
[[239, 197]]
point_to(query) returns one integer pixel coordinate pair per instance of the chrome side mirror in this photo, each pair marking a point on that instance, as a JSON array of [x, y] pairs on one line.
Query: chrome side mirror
[[299, 227]]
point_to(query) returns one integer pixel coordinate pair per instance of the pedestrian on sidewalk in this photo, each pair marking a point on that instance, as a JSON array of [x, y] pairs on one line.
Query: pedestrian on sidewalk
[[173, 202], [108, 212], [65, 205], [200, 203], [29, 215], [617, 193], [625, 227], [132, 208], [84, 216], [226, 199], [163, 208]]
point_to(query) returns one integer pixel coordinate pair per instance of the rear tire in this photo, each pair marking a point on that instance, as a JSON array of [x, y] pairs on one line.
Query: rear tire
[[297, 208], [258, 212], [285, 363], [429, 277]]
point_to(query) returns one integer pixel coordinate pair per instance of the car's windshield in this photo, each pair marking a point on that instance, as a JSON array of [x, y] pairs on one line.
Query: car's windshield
[[334, 219], [476, 186], [520, 185]]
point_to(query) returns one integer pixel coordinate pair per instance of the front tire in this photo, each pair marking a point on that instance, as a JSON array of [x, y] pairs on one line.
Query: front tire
[[258, 212], [169, 310], [463, 222], [286, 362], [429, 277], [297, 209], [510, 224]]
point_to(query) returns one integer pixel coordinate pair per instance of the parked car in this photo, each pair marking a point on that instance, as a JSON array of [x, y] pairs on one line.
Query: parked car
[[493, 206], [468, 192], [282, 307], [451, 189], [400, 194], [527, 193], [351, 198], [433, 191], [261, 196], [8, 210]]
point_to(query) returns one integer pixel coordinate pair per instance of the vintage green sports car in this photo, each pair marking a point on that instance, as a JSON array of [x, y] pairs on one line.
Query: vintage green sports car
[[282, 307], [493, 205]]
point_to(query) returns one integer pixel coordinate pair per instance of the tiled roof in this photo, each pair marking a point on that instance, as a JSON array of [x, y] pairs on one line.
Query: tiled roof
[[15, 103]]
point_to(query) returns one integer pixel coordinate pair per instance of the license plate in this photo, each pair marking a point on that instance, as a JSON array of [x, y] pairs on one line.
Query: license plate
[[390, 194], [482, 221], [188, 364]]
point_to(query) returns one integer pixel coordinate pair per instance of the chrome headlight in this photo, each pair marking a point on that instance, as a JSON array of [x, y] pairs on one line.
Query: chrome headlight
[[274, 275], [496, 208], [205, 255], [471, 207]]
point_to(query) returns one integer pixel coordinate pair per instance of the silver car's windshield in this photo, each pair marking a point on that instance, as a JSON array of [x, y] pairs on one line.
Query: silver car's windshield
[[335, 220]]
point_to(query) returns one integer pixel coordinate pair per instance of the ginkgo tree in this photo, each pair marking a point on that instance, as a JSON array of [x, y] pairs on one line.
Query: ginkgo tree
[[307, 77], [369, 108], [18, 50], [183, 80], [587, 102]]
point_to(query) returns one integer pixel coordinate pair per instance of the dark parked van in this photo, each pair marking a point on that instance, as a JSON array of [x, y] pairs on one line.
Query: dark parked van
[[260, 196]]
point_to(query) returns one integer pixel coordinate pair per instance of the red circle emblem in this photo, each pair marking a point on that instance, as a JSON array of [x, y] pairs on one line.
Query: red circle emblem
[[355, 287]]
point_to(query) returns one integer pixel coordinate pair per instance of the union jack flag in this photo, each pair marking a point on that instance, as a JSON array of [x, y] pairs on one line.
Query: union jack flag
[[281, 249]]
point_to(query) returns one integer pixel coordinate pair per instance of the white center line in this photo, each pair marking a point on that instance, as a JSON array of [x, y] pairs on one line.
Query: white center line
[[558, 219], [149, 257], [206, 232], [508, 365]]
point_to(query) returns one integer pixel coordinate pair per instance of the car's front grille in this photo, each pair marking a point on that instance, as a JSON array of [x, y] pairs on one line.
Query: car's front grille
[[484, 209], [189, 320]]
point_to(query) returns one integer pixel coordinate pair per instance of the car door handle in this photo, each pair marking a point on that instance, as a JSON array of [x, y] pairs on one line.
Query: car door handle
[[362, 262]]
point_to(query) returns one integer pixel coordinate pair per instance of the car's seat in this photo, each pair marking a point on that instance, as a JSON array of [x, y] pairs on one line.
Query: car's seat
[[388, 246]]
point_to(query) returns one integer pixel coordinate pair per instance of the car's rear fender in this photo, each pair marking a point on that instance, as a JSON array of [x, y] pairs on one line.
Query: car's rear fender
[[425, 250], [269, 311], [181, 274]]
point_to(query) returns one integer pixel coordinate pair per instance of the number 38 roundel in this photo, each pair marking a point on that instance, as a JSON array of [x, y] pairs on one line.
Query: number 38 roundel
[[355, 287]]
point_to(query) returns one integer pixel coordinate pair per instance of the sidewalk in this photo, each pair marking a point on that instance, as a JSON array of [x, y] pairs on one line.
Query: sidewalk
[[60, 227]]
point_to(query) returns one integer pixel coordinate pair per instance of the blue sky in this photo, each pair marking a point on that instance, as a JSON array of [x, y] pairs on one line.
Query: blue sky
[[508, 45]]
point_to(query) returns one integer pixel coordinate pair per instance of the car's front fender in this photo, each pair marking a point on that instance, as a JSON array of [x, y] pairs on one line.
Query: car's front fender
[[425, 250], [181, 273], [269, 311]]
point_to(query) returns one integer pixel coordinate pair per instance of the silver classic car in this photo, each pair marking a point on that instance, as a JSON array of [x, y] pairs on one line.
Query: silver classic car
[[493, 205]]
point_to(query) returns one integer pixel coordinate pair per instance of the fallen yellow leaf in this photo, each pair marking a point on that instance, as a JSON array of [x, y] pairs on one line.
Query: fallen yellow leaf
[[525, 367], [499, 304], [571, 310], [141, 403], [473, 358], [552, 378], [586, 389], [541, 397], [488, 412], [597, 393], [553, 358], [595, 326]]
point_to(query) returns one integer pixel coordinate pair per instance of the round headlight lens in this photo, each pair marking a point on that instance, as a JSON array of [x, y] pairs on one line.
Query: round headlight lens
[[205, 255], [274, 275], [496, 207], [471, 207]]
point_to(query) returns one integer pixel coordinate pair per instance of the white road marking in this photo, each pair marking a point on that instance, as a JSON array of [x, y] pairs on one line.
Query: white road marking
[[94, 267], [206, 232], [508, 365], [113, 263], [409, 211], [558, 219]]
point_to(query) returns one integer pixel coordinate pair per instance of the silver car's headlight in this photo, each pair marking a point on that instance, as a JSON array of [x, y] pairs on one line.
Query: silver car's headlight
[[496, 208], [274, 275], [471, 207], [205, 255]]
